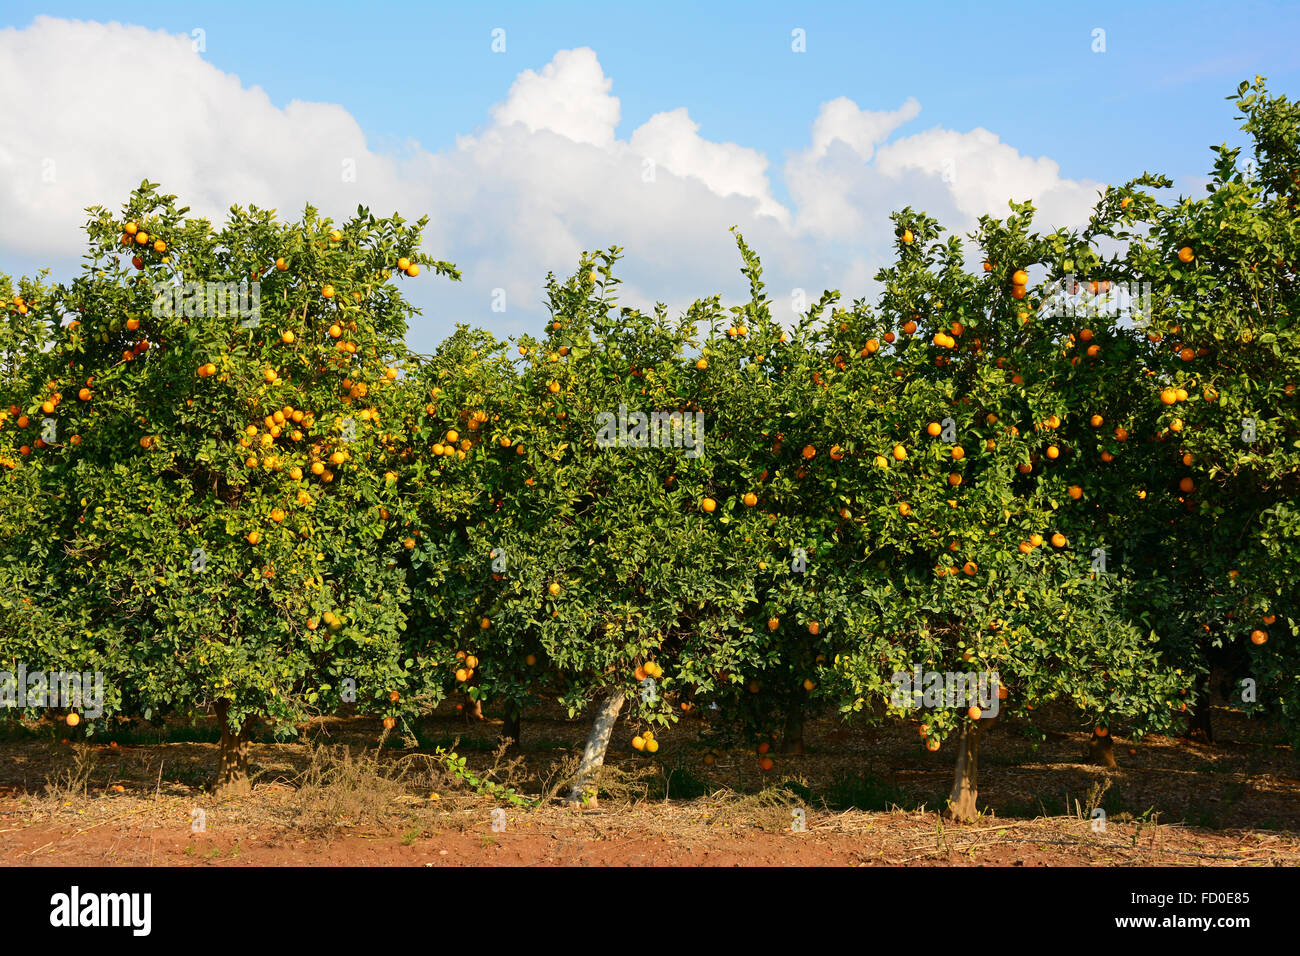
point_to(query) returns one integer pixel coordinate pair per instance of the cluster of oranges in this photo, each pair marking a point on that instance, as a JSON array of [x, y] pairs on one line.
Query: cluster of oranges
[[133, 235], [648, 669], [468, 663], [645, 741], [453, 445]]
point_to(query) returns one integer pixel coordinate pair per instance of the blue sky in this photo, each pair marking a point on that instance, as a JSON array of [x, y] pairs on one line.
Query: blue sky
[[415, 77]]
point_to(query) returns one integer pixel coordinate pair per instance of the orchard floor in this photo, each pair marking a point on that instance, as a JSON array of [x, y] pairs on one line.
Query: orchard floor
[[140, 796]]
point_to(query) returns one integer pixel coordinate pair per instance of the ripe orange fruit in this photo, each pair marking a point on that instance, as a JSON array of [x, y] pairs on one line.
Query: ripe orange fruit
[[1101, 732], [554, 589], [1185, 254], [970, 567], [954, 479], [900, 453], [909, 327], [1020, 277], [1003, 693], [1258, 637], [1058, 540], [814, 628], [750, 499], [1053, 451], [773, 623], [1270, 618], [932, 745], [390, 723], [408, 543], [1187, 485], [808, 451], [702, 364], [907, 236], [708, 505], [73, 719], [254, 537], [327, 291], [933, 429], [973, 712], [766, 763], [904, 509]]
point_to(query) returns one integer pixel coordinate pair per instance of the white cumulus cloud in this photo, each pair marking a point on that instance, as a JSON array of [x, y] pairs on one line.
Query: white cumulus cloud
[[545, 177]]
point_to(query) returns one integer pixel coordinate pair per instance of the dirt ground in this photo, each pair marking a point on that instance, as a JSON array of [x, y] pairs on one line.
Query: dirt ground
[[860, 796]]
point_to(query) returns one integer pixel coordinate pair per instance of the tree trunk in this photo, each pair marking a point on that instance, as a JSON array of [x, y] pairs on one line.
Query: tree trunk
[[593, 756], [962, 801], [792, 739], [1101, 751], [511, 730], [1198, 725], [232, 755]]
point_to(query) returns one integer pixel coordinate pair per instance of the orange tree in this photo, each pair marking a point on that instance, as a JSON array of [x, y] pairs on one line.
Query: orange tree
[[616, 578], [202, 527], [1226, 364], [979, 564]]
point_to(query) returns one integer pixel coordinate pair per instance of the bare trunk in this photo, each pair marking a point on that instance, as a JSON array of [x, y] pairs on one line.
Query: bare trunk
[[1199, 728], [792, 740], [511, 730], [962, 801], [232, 755], [593, 756], [1101, 751]]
